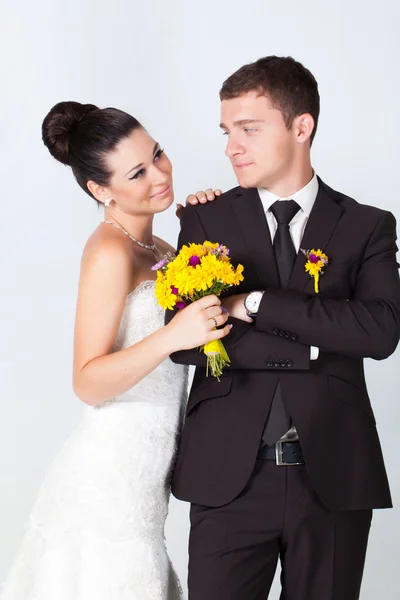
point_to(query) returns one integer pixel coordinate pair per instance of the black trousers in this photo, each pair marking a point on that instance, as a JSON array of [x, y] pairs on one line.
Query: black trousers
[[234, 549]]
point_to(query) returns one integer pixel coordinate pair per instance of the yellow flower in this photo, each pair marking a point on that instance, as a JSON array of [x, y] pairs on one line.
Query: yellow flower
[[164, 293], [238, 275]]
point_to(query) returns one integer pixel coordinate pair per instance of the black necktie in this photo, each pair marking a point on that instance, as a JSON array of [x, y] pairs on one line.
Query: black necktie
[[278, 422], [285, 253]]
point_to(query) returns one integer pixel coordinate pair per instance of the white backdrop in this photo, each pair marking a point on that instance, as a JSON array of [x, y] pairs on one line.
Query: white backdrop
[[164, 62]]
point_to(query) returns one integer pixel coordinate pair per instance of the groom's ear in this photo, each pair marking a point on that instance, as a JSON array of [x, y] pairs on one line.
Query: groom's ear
[[303, 126]]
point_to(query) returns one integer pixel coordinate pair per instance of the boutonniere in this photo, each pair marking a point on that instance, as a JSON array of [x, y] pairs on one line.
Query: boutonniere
[[317, 260]]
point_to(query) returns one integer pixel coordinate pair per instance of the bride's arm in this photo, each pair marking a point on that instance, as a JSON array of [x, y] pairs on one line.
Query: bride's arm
[[101, 374]]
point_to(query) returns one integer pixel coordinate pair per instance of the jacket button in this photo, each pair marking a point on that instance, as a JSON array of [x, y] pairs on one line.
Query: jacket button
[[270, 363], [277, 365], [294, 336], [275, 331], [289, 363]]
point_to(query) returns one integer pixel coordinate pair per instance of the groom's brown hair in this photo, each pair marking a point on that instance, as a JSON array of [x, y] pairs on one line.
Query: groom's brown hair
[[291, 87]]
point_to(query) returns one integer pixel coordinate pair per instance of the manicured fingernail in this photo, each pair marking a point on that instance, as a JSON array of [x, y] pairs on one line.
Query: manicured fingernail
[[225, 310], [230, 326], [194, 201], [210, 197]]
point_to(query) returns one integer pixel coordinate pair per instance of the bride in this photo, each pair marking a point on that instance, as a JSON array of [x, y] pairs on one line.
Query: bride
[[96, 530]]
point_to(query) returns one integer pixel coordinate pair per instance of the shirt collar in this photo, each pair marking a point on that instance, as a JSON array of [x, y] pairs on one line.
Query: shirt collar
[[305, 197]]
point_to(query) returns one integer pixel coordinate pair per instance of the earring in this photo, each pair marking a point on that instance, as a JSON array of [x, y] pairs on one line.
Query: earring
[[108, 202]]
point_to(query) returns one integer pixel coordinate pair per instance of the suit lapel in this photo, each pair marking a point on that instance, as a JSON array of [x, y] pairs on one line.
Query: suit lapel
[[251, 219], [324, 217]]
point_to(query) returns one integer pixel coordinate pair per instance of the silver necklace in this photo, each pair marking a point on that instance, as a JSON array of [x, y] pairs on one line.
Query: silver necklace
[[118, 226]]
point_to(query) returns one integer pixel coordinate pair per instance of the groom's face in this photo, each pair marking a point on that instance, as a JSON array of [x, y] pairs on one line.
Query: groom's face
[[260, 147]]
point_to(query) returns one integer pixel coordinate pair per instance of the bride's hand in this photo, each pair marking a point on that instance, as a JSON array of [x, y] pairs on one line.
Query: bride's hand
[[208, 196], [194, 325]]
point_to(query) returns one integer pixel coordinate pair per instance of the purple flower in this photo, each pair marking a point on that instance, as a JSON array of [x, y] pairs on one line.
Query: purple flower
[[223, 250], [220, 251], [194, 261], [174, 290], [313, 258], [161, 263], [180, 304]]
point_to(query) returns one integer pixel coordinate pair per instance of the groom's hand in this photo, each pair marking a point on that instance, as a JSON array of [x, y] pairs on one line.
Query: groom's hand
[[235, 306], [202, 197]]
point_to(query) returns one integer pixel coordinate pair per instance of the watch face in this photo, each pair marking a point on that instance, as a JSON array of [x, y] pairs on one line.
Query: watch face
[[252, 301]]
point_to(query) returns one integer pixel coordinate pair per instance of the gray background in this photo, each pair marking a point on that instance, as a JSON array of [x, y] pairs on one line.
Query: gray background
[[164, 62]]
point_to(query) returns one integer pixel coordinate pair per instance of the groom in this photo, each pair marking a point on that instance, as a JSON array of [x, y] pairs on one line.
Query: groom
[[281, 459]]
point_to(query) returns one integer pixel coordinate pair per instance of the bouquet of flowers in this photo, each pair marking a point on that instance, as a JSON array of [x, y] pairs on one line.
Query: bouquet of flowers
[[198, 270]]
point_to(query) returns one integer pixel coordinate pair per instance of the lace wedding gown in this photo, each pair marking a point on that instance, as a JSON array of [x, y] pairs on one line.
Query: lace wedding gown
[[96, 531]]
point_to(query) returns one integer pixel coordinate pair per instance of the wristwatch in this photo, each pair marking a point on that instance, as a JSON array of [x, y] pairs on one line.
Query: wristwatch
[[252, 303]]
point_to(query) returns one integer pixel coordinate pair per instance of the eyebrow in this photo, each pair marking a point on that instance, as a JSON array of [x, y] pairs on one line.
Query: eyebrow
[[139, 166], [242, 122]]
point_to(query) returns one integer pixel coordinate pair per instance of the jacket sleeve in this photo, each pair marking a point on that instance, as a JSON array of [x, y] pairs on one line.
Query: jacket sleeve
[[247, 348], [366, 325]]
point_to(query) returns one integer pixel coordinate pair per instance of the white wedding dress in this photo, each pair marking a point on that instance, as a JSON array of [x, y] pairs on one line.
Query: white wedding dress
[[96, 531]]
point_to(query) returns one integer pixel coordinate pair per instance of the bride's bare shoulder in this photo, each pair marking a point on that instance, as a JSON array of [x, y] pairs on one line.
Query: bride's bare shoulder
[[107, 255], [105, 240]]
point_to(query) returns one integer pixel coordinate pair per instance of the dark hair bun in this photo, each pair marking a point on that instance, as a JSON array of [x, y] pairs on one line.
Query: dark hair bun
[[59, 124]]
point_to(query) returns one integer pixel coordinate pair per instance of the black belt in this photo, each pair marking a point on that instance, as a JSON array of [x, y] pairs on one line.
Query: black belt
[[283, 453]]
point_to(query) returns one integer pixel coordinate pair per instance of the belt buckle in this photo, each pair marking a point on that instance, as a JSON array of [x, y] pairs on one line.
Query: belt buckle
[[279, 455]]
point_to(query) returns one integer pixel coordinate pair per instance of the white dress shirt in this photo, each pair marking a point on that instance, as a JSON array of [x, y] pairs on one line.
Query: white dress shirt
[[305, 198]]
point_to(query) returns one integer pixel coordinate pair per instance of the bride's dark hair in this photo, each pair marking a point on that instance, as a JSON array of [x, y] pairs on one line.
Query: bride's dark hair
[[81, 135]]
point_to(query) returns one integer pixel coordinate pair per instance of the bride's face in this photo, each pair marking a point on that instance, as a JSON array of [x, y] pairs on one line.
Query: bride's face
[[141, 183]]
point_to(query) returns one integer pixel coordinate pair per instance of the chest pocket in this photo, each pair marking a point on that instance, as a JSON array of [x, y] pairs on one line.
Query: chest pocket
[[337, 280]]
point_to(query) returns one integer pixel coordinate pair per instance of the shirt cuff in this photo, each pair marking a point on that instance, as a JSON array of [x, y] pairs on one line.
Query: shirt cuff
[[314, 352]]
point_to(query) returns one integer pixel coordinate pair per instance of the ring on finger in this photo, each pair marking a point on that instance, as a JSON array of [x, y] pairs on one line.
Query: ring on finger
[[215, 321]]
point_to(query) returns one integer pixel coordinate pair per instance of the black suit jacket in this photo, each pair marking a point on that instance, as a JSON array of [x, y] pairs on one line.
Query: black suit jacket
[[355, 315]]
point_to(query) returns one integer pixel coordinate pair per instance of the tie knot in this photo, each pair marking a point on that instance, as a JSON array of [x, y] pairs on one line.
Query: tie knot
[[284, 211]]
